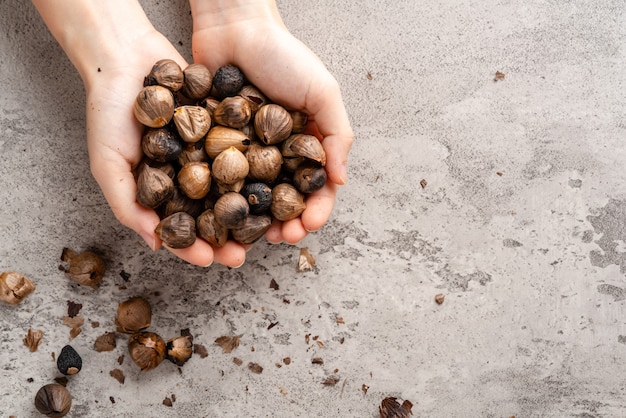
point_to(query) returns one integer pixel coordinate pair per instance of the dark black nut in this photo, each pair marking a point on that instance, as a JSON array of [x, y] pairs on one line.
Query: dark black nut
[[53, 400], [259, 197], [309, 177], [228, 81], [69, 361], [177, 230]]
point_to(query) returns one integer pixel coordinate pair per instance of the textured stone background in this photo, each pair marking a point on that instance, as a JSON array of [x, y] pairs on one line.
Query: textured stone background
[[521, 226]]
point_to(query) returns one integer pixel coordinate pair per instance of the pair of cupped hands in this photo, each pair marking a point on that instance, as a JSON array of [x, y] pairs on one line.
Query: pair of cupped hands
[[272, 59]]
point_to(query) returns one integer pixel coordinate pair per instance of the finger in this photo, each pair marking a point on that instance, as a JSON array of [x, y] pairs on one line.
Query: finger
[[199, 253], [274, 235], [319, 206], [293, 231], [232, 254]]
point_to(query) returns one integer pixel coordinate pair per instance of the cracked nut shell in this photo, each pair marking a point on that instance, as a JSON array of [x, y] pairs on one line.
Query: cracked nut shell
[[14, 287], [179, 349], [85, 268], [146, 349]]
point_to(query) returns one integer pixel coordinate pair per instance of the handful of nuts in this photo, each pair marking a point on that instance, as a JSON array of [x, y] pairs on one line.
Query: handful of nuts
[[221, 161]]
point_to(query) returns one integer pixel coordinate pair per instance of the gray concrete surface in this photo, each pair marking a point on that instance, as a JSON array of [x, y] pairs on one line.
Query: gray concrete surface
[[522, 225]]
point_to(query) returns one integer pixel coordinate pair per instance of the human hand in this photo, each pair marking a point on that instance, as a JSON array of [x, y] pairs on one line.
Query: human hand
[[251, 35]]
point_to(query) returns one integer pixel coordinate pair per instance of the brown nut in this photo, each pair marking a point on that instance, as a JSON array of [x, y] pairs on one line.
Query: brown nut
[[252, 229], [231, 210], [177, 230], [194, 179], [265, 162], [133, 315], [193, 151], [14, 287], [154, 186], [166, 73], [228, 81], [309, 177], [300, 120], [230, 166], [210, 104], [210, 230], [192, 122], [146, 349], [179, 349], [272, 124], [301, 145], [53, 400], [259, 197], [233, 112], [161, 145], [287, 202], [255, 98], [198, 81], [85, 268], [154, 106], [220, 138]]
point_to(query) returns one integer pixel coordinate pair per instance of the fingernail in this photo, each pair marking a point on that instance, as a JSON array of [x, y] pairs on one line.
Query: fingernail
[[343, 174], [149, 240], [242, 263], [208, 265]]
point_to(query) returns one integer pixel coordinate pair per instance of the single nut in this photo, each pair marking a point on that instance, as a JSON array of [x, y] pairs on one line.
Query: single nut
[[259, 197], [14, 287], [154, 106], [133, 315], [69, 361], [105, 342], [265, 162], [220, 138], [161, 145], [198, 81], [154, 186], [192, 122], [252, 229], [231, 210], [194, 179], [179, 349], [233, 112], [228, 81], [230, 166], [309, 177], [166, 73], [272, 124], [300, 120], [177, 230], [85, 268], [53, 400], [308, 146], [210, 230], [146, 349], [255, 98], [287, 202]]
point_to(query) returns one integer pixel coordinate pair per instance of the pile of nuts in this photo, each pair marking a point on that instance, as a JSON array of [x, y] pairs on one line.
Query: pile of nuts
[[221, 161]]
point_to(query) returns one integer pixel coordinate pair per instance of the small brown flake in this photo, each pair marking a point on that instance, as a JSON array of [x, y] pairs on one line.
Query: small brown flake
[[423, 183], [272, 325], [255, 368], [105, 342], [173, 397], [330, 381], [112, 399], [283, 392], [227, 343], [32, 339], [340, 320], [391, 408], [320, 344], [74, 322], [307, 338], [200, 350], [342, 340], [125, 276], [167, 401], [306, 261], [499, 76], [439, 298], [364, 388], [61, 380], [237, 361], [315, 337], [74, 333], [369, 75], [343, 387], [185, 333], [118, 375], [336, 371], [499, 173], [120, 360], [278, 365], [73, 308], [95, 324], [287, 360], [317, 360], [53, 356], [274, 285]]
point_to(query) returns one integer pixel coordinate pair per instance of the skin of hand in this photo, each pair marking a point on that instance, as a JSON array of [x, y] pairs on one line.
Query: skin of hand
[[113, 47], [251, 35]]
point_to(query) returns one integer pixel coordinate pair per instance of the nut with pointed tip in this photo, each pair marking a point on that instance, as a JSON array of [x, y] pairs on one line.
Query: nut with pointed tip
[[265, 162], [233, 112], [301, 145], [252, 229], [210, 230], [198, 81], [230, 166], [133, 315], [220, 138], [154, 106], [146, 349], [53, 400], [161, 145], [231, 210], [272, 124], [69, 361], [154, 187], [287, 202], [166, 73], [85, 268], [177, 230], [192, 122], [194, 179], [14, 287], [179, 349]]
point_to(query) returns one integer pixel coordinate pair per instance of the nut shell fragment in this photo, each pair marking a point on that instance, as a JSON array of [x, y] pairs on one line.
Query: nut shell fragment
[[14, 287], [147, 349], [85, 268], [179, 349]]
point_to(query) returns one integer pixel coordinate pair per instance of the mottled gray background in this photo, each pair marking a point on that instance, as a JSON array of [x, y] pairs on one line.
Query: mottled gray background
[[521, 226]]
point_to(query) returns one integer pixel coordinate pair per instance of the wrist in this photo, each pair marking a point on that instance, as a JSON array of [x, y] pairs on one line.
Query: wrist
[[208, 14]]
